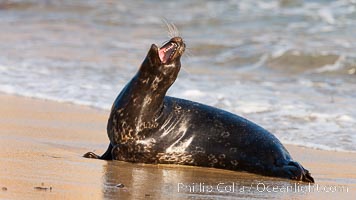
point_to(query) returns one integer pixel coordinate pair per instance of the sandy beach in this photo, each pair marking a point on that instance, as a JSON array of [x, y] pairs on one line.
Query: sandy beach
[[42, 143]]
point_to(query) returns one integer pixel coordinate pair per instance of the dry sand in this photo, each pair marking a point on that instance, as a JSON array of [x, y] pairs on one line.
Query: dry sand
[[42, 143]]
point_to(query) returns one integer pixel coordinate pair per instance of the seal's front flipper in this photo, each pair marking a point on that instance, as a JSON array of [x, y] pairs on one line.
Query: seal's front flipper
[[91, 155], [106, 156]]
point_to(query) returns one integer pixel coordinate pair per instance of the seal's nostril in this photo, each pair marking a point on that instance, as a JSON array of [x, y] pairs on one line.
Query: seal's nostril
[[178, 40]]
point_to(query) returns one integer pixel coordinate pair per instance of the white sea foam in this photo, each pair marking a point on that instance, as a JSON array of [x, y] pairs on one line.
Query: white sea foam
[[345, 118], [333, 67], [194, 93], [326, 15], [317, 146], [253, 107]]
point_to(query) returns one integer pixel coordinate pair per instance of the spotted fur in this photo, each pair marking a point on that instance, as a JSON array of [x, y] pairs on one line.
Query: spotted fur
[[147, 126]]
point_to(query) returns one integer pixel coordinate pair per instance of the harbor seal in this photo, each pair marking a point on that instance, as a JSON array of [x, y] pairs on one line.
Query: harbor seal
[[146, 126]]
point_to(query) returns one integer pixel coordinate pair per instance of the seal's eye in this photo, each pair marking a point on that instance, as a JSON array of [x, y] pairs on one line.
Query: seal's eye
[[167, 51]]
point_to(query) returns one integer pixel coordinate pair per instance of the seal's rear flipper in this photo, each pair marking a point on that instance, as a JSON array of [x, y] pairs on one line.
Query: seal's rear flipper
[[307, 177], [293, 170], [106, 156]]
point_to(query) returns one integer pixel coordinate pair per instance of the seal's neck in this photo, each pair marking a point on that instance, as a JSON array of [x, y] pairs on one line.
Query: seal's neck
[[141, 101], [147, 95]]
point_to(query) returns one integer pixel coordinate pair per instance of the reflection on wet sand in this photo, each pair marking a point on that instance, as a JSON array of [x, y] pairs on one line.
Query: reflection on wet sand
[[182, 182]]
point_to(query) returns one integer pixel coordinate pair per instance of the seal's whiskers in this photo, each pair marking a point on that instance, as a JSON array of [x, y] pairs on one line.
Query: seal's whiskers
[[172, 29]]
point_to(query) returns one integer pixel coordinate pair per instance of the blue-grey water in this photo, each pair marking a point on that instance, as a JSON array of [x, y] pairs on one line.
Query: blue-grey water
[[288, 65]]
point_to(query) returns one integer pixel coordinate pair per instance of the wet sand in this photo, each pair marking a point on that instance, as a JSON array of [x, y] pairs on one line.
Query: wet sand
[[42, 143]]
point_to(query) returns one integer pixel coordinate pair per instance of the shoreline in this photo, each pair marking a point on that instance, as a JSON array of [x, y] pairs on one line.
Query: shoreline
[[106, 111], [42, 142]]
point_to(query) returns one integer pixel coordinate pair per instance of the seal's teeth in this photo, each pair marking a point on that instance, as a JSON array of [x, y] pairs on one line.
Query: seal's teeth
[[167, 51]]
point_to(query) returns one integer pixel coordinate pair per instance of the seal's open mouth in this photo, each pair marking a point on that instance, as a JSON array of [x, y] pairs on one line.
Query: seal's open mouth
[[167, 52]]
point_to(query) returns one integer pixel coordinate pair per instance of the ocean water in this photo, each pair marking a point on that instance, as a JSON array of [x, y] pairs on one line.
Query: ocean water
[[288, 65]]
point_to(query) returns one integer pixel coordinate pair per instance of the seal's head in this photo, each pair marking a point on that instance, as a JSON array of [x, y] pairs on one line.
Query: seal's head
[[171, 52], [164, 62]]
